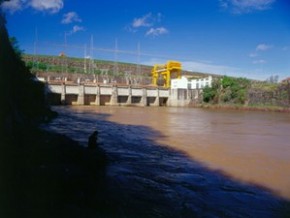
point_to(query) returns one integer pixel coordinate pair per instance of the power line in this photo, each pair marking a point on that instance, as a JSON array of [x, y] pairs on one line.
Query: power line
[[138, 58], [116, 57], [109, 50]]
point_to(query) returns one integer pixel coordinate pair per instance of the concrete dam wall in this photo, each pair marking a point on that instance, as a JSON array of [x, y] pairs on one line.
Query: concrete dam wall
[[118, 95]]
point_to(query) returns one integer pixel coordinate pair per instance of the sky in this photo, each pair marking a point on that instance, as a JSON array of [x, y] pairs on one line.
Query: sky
[[240, 38]]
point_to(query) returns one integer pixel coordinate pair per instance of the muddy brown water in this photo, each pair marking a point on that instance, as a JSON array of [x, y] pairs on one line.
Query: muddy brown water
[[206, 163]]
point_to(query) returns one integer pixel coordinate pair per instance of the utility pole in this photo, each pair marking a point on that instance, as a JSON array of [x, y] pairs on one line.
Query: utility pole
[[288, 87], [138, 63], [85, 57], [65, 51], [91, 55], [35, 50], [138, 59], [116, 58]]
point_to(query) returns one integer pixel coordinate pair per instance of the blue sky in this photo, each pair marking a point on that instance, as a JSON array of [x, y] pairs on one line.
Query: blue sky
[[247, 38]]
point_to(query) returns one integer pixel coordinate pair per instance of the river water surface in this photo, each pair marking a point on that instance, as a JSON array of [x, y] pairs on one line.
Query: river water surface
[[207, 163]]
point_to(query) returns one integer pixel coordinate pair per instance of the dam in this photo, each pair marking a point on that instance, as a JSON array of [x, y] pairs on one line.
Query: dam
[[117, 95]]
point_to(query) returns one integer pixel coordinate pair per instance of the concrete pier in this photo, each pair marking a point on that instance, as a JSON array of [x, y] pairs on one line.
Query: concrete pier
[[129, 100], [98, 96], [81, 95], [114, 96], [62, 98], [144, 97]]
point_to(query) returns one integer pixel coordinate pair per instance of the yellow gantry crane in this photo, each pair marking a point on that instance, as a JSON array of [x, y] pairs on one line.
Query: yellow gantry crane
[[166, 72]]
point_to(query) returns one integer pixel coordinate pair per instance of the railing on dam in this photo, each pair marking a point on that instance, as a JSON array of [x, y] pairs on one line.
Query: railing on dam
[[101, 94]]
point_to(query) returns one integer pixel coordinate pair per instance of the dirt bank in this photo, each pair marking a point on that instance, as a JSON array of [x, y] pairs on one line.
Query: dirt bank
[[50, 175], [242, 107]]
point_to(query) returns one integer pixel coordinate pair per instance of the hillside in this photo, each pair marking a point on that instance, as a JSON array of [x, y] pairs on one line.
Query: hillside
[[72, 68]]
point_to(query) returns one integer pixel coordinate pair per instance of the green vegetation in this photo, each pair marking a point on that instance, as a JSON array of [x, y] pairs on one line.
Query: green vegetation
[[71, 65], [234, 90], [14, 43], [227, 90], [211, 94], [41, 66], [244, 92]]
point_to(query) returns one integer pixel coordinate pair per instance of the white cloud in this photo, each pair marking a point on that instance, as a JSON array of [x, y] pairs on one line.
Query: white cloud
[[148, 23], [145, 21], [70, 17], [259, 62], [246, 6], [52, 6], [12, 6], [76, 29], [263, 47], [156, 31]]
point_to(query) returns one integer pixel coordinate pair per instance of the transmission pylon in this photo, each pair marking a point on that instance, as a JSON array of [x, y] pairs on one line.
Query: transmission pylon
[[116, 68]]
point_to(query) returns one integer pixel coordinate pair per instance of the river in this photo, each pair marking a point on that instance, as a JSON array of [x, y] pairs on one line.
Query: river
[[215, 163]]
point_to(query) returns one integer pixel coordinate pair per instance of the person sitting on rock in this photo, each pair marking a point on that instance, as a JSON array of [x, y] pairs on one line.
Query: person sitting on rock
[[97, 156], [92, 143]]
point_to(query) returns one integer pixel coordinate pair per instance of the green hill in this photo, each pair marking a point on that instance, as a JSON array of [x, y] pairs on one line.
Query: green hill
[[71, 68]]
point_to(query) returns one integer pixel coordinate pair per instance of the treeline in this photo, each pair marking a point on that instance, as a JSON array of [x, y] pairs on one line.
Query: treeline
[[242, 91]]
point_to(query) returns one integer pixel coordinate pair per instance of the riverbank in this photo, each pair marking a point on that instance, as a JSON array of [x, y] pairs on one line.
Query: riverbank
[[261, 108], [45, 174]]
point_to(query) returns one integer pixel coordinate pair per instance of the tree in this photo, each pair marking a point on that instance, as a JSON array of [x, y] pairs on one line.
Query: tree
[[227, 90], [234, 89], [227, 82], [14, 43], [210, 94]]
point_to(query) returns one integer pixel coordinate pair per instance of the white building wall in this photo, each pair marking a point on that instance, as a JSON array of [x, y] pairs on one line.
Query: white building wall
[[179, 83], [201, 83], [184, 83]]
